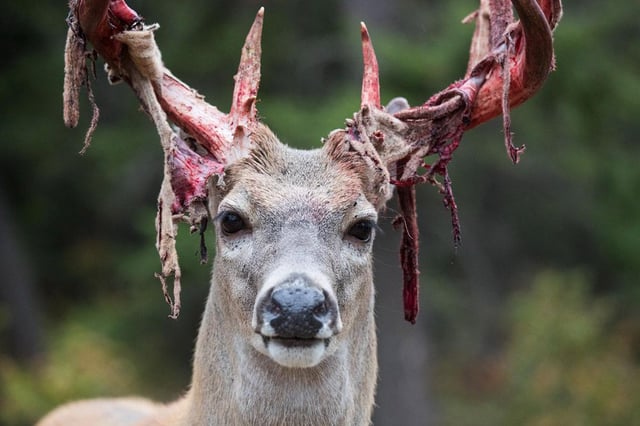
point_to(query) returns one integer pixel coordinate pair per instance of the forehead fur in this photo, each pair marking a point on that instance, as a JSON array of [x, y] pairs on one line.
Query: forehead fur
[[334, 174]]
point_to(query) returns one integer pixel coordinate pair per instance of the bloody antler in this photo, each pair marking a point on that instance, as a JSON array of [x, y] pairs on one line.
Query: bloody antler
[[524, 50], [119, 35], [508, 63], [103, 23]]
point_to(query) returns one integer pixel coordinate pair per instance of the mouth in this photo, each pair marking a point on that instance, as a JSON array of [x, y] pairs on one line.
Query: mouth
[[294, 342]]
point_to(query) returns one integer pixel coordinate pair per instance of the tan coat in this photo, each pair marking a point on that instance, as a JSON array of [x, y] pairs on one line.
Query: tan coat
[[299, 205]]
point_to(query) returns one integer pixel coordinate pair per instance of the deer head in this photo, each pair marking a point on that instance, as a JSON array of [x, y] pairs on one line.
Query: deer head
[[293, 276]]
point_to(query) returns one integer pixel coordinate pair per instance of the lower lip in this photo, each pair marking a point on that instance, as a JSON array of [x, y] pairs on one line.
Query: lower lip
[[293, 342]]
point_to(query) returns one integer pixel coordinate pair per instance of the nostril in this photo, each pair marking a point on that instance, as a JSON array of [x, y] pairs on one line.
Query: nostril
[[321, 309]]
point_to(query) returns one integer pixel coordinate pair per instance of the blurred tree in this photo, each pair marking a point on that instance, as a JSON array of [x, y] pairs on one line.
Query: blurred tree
[[20, 317], [565, 363]]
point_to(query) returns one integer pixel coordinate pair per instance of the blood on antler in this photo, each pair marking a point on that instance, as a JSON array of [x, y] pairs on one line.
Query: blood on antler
[[509, 61], [119, 35]]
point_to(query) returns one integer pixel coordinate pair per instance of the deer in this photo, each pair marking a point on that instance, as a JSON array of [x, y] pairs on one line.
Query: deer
[[288, 332]]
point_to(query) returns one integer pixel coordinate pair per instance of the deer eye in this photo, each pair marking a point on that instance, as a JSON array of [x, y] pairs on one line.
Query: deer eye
[[361, 230], [231, 223]]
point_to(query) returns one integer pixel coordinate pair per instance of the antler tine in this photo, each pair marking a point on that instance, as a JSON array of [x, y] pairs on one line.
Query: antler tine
[[100, 20], [530, 63], [243, 114], [370, 79], [245, 92], [552, 10], [226, 136], [525, 50]]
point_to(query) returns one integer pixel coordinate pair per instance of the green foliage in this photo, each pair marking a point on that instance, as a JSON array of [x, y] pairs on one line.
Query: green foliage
[[567, 364], [566, 361], [116, 344], [81, 363]]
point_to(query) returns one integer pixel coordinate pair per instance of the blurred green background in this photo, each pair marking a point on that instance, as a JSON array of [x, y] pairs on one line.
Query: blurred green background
[[535, 320]]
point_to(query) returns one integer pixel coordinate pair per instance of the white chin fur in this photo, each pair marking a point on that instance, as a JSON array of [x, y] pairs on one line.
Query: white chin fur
[[296, 357], [292, 356]]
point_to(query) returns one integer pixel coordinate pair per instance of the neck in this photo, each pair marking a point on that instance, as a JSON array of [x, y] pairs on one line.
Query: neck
[[235, 384]]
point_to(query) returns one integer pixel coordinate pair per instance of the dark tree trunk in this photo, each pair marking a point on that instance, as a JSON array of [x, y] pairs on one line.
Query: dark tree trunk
[[23, 330], [404, 396]]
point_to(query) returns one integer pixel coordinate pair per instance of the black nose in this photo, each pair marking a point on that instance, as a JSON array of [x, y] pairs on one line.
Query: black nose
[[297, 310]]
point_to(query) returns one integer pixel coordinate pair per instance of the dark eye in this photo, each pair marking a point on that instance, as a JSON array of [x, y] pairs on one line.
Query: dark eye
[[361, 230], [231, 223]]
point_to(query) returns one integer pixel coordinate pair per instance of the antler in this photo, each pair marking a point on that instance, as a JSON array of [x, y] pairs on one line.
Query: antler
[[509, 62], [119, 35]]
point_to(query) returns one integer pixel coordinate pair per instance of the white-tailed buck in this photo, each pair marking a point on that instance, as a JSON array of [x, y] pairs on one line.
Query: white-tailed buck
[[288, 333]]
